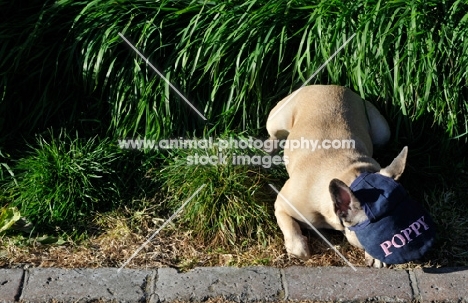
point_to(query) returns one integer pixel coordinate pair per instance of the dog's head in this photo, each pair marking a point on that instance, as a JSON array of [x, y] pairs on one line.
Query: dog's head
[[388, 223]]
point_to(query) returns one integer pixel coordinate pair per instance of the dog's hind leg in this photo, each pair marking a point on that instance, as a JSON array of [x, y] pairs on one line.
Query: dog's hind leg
[[294, 241], [379, 129]]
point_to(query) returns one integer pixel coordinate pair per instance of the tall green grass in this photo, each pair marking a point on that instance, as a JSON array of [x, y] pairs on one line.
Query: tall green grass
[[232, 60]]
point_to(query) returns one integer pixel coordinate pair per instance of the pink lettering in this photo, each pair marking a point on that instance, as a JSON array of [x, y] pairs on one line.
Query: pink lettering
[[421, 220], [402, 239], [416, 226], [385, 246], [399, 240], [407, 232]]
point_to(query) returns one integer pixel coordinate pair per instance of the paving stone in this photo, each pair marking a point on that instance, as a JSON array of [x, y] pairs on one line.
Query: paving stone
[[443, 284], [236, 284], [324, 284], [10, 284], [84, 285], [346, 285]]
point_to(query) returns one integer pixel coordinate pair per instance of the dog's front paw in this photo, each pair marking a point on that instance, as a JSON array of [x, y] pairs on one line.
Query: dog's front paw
[[371, 262], [298, 247]]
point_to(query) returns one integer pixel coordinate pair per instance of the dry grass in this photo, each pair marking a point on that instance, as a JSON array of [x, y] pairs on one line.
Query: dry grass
[[173, 247]]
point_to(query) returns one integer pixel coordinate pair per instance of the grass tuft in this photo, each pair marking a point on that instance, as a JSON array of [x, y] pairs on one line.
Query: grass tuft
[[236, 202], [63, 179]]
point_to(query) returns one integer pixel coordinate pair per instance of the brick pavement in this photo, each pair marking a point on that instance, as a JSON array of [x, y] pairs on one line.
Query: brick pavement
[[249, 284]]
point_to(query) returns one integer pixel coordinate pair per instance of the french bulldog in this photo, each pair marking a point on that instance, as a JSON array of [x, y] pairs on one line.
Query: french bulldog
[[320, 175]]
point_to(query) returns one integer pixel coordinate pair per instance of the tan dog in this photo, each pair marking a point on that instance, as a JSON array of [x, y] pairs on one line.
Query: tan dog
[[319, 181]]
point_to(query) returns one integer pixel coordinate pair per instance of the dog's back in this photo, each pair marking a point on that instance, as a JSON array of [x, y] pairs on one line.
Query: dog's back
[[335, 119], [325, 114]]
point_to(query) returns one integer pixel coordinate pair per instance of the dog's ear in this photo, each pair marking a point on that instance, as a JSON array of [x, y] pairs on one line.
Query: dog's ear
[[347, 206], [396, 168]]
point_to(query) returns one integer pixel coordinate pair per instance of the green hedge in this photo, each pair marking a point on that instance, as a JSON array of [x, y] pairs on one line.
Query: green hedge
[[62, 63]]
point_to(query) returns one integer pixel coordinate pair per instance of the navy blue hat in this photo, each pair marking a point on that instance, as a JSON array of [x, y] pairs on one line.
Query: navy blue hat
[[398, 230]]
